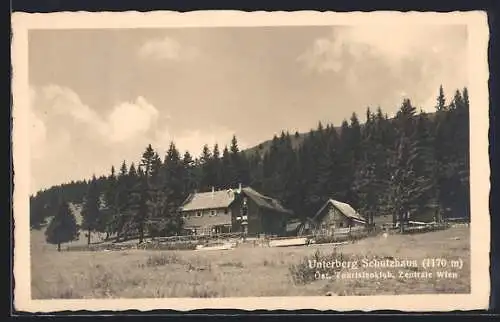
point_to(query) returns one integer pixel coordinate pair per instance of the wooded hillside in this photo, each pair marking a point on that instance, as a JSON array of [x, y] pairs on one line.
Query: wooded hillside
[[408, 164]]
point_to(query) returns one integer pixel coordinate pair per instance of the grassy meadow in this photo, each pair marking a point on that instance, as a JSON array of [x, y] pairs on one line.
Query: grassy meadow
[[243, 271]]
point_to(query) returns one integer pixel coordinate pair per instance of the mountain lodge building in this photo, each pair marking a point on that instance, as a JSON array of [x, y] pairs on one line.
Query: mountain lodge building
[[224, 211]]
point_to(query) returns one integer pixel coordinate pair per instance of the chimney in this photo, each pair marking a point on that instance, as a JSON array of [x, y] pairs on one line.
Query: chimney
[[213, 191], [239, 187]]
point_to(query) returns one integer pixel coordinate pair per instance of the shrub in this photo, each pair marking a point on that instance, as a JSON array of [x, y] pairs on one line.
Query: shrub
[[231, 264], [302, 274], [163, 259], [426, 228]]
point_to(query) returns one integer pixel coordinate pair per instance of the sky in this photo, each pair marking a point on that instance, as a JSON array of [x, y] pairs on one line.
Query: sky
[[100, 96]]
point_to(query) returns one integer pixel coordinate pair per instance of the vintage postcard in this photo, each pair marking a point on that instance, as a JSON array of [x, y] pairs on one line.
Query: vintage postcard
[[251, 160]]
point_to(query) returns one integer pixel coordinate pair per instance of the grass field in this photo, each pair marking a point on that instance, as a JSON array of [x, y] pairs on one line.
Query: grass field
[[245, 271]]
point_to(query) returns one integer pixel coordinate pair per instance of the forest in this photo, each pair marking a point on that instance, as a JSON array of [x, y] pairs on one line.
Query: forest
[[408, 164]]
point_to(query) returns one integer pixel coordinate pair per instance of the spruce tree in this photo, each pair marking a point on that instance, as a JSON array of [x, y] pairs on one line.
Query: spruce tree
[[107, 218], [148, 157], [207, 174], [234, 146], [139, 197], [132, 172], [91, 211], [226, 168], [63, 227], [123, 169], [215, 166], [120, 216], [236, 163], [190, 179], [441, 100], [174, 174], [426, 166], [369, 182], [173, 192], [145, 193], [407, 185]]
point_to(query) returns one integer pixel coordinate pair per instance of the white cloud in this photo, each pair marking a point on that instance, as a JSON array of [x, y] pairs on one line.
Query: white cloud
[[130, 119], [37, 129], [380, 41], [65, 101], [70, 140], [420, 57], [166, 49], [125, 120], [324, 55]]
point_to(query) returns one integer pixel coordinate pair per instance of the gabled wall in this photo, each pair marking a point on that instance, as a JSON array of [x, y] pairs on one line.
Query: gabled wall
[[260, 220], [331, 219], [253, 213]]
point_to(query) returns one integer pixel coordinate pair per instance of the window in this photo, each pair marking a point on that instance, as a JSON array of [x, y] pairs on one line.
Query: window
[[213, 213], [225, 211], [198, 214], [341, 225]]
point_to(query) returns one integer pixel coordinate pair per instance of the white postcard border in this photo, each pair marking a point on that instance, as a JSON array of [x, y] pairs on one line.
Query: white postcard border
[[479, 162]]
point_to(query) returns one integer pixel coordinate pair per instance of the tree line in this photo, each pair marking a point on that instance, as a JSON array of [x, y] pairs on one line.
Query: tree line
[[413, 163]]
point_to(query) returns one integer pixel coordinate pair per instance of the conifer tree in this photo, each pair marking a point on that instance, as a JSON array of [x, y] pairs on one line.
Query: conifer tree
[[237, 170], [63, 227], [173, 192], [107, 223], [207, 174], [216, 166], [236, 163], [174, 174], [138, 207], [148, 158], [91, 211], [234, 146], [426, 166], [144, 195], [190, 179], [132, 172], [226, 168], [407, 185], [123, 169], [441, 100], [123, 185], [369, 182]]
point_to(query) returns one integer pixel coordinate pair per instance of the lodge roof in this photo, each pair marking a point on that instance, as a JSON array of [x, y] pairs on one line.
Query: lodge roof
[[344, 208], [223, 199], [265, 201], [208, 200]]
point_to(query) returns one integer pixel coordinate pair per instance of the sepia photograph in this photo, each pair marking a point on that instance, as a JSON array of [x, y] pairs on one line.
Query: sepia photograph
[[313, 156]]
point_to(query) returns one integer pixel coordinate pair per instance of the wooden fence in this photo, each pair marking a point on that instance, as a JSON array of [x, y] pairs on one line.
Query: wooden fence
[[189, 242]]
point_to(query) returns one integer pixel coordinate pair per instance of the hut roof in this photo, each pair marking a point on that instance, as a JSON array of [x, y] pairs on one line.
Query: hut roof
[[344, 208]]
